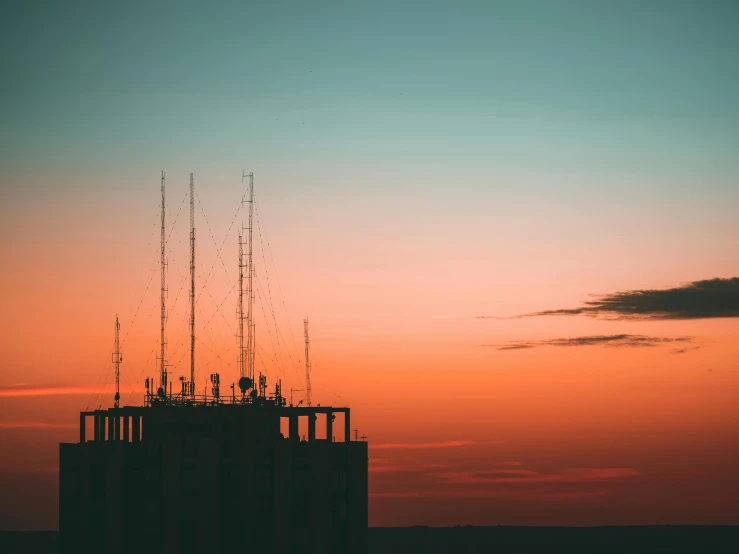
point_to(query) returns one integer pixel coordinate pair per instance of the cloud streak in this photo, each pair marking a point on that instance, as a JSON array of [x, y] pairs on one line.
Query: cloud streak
[[684, 349], [36, 425], [525, 495], [706, 299], [509, 480], [397, 445], [613, 341], [31, 390], [520, 476]]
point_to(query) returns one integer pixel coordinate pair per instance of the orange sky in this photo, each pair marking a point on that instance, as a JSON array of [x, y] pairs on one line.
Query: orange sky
[[460, 431]]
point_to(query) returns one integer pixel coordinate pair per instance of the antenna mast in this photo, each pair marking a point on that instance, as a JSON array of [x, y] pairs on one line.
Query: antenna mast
[[117, 359], [292, 390], [162, 367], [307, 362], [250, 343], [240, 308], [192, 286]]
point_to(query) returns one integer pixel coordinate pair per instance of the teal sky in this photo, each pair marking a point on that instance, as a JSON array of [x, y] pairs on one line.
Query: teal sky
[[507, 131], [414, 89]]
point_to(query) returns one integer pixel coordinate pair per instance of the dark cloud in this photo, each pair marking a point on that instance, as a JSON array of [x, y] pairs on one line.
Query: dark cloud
[[684, 349], [711, 298], [513, 346], [618, 341]]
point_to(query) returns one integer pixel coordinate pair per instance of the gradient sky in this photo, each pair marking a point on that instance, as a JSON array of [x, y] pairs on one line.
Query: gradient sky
[[417, 165]]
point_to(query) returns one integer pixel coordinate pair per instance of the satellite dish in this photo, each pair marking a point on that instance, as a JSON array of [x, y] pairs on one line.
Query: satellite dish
[[253, 393], [245, 384]]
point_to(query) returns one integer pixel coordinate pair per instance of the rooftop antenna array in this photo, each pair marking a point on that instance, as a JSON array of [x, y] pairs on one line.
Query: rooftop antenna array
[[192, 287], [162, 366], [253, 391], [307, 363], [117, 359]]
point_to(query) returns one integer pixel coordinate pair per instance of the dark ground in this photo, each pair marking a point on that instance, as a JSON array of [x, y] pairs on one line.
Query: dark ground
[[501, 540]]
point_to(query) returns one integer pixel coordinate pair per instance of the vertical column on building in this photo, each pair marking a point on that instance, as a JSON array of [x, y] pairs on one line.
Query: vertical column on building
[[126, 435], [282, 529], [347, 426], [111, 431], [293, 427], [136, 427], [330, 426], [113, 497], [83, 423], [319, 516], [311, 426]]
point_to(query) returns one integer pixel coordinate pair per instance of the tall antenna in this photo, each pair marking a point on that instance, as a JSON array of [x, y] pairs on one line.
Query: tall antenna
[[117, 359], [240, 309], [162, 367], [192, 286], [307, 362], [250, 281]]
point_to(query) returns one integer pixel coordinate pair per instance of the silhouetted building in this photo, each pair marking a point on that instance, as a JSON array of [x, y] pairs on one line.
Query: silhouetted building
[[191, 472], [212, 477]]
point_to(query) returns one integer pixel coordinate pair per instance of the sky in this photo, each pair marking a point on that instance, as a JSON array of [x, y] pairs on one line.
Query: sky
[[512, 225]]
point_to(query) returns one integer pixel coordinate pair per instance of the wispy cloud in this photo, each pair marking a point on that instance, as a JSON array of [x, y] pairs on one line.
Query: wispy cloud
[[406, 464], [614, 341], [527, 495], [573, 475], [709, 298], [391, 468], [684, 350], [375, 461], [36, 425], [409, 494], [433, 465], [444, 444], [505, 480], [513, 346], [23, 389], [524, 495]]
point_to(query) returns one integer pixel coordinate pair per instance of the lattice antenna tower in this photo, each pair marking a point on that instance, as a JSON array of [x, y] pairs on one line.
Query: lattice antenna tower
[[192, 286], [162, 363], [307, 363], [240, 309], [251, 330], [117, 359]]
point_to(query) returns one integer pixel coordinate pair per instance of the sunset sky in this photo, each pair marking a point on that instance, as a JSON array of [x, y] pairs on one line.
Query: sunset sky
[[514, 227]]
